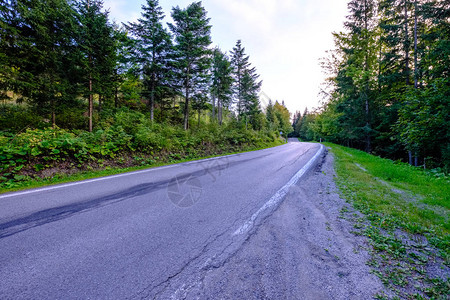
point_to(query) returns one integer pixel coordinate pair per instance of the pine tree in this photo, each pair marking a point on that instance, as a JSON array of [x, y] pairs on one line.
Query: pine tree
[[152, 53], [193, 36]]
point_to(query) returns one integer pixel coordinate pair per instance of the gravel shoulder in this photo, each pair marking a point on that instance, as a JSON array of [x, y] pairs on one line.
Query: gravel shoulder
[[304, 250]]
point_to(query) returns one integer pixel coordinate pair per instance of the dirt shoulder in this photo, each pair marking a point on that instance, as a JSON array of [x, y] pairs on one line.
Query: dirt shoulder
[[305, 250]]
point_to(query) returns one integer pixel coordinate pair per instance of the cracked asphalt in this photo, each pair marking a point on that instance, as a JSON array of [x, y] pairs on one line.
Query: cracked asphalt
[[177, 232]]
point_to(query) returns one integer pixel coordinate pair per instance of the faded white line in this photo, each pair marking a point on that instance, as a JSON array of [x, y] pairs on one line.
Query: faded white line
[[50, 188], [279, 195]]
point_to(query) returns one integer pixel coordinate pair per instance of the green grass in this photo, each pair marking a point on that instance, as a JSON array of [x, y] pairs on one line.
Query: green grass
[[83, 175], [406, 220], [417, 199]]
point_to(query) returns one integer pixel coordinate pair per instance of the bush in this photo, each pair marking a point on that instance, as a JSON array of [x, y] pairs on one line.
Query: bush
[[122, 133], [16, 118]]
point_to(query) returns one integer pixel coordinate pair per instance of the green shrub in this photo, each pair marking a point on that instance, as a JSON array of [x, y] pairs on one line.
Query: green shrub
[[16, 118], [122, 132]]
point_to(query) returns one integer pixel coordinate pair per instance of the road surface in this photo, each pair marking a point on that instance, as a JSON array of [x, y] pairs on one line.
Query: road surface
[[168, 232]]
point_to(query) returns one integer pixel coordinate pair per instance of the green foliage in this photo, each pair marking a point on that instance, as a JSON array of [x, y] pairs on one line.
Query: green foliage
[[15, 118], [246, 86], [152, 50], [388, 87], [63, 63], [122, 134], [222, 81], [424, 121], [192, 36], [371, 176], [278, 119]]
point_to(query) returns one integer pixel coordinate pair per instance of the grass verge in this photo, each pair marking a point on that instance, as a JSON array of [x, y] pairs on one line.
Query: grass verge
[[107, 171], [405, 218]]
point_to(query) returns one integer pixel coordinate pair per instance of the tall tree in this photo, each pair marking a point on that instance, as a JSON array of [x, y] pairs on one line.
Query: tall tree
[[97, 41], [222, 80], [250, 87], [240, 63], [193, 36], [39, 52], [361, 24], [152, 51], [423, 121]]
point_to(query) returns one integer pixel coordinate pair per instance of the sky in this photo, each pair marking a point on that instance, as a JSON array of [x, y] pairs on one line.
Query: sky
[[285, 39]]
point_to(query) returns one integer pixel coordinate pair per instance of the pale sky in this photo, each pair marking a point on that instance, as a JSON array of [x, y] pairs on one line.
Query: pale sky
[[284, 38]]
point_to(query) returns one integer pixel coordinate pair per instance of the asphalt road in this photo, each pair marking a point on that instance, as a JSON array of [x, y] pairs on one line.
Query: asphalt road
[[146, 234]]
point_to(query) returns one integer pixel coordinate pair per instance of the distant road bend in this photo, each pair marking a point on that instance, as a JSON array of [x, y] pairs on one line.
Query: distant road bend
[[153, 233]]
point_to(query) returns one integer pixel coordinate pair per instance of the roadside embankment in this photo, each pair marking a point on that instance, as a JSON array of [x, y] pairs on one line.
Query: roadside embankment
[[405, 217], [52, 155]]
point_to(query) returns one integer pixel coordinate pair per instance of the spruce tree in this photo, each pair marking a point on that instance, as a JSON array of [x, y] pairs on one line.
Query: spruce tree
[[99, 49], [240, 63], [192, 56], [39, 55], [152, 52], [250, 87], [222, 80]]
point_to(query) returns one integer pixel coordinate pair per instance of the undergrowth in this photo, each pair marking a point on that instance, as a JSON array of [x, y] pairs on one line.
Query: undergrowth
[[125, 139]]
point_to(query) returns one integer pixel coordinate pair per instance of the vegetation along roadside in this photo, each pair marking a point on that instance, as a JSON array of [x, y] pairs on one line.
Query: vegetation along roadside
[[405, 216], [125, 141]]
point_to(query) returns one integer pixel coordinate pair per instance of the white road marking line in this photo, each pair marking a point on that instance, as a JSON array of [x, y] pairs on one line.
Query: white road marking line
[[279, 195], [50, 188], [14, 194]]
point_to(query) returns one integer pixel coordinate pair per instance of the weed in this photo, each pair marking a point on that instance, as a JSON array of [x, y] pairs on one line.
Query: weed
[[405, 220]]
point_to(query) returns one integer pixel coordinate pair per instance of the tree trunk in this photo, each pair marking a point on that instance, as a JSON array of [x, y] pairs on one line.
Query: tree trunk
[[186, 110], [53, 113], [152, 99], [116, 98], [366, 85], [91, 104], [91, 100], [415, 46], [219, 104], [213, 108], [368, 128], [186, 102], [174, 106], [239, 94], [406, 44]]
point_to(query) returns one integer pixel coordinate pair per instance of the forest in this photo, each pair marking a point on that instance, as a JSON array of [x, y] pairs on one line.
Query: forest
[[79, 92], [388, 88]]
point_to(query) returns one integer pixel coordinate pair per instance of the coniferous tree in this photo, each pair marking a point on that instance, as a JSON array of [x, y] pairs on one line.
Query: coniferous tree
[[361, 59], [39, 53], [221, 85], [192, 56], [250, 87], [240, 63], [423, 122], [99, 49], [246, 84], [152, 52]]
